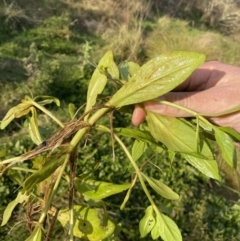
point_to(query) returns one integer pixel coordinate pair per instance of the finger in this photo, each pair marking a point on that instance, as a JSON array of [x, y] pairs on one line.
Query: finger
[[207, 103], [138, 115], [230, 120]]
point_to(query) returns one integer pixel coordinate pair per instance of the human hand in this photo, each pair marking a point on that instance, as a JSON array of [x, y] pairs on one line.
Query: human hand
[[212, 89]]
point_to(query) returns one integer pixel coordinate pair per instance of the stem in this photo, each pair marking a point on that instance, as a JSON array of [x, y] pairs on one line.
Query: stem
[[45, 211], [193, 113], [138, 172], [92, 120], [43, 109]]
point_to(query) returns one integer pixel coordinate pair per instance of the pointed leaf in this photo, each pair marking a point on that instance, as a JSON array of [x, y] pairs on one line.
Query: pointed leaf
[[168, 229], [234, 134], [97, 189], [147, 222], [143, 135], [16, 112], [47, 169], [71, 110], [138, 148], [157, 77], [227, 147], [127, 69], [36, 235], [177, 135], [88, 223], [99, 79], [47, 100], [207, 167], [21, 197], [33, 128], [161, 188]]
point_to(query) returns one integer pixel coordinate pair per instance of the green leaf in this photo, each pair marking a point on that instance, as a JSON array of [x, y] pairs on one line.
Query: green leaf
[[33, 128], [161, 188], [99, 79], [127, 69], [48, 168], [21, 197], [234, 134], [167, 228], [87, 223], [177, 135], [157, 77], [36, 235], [147, 222], [98, 190], [16, 112], [138, 148], [143, 135], [47, 100], [16, 176], [3, 152], [71, 110], [227, 147], [207, 167]]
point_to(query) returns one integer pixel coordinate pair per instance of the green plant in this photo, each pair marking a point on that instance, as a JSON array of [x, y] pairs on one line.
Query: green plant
[[54, 162]]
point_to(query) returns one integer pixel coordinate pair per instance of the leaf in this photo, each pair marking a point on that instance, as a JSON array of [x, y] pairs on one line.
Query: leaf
[[147, 222], [127, 69], [87, 223], [47, 100], [36, 235], [3, 152], [177, 135], [157, 77], [227, 147], [98, 190], [16, 112], [71, 110], [21, 197], [207, 167], [161, 188], [33, 128], [167, 228], [143, 135], [138, 148], [16, 176], [234, 134], [99, 79], [48, 168]]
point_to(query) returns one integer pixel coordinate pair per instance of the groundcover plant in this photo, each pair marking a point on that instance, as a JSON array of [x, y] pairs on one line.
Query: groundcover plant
[[53, 162]]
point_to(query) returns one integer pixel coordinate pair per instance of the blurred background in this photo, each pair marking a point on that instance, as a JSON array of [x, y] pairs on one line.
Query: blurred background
[[46, 48]]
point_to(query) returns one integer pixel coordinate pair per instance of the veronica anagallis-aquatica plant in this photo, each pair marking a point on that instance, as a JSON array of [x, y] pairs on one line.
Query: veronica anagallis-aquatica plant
[[54, 160]]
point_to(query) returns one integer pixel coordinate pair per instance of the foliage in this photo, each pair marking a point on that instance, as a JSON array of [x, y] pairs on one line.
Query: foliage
[[54, 162]]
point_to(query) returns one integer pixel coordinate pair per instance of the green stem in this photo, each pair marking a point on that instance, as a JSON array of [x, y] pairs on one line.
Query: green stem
[[137, 170], [47, 112], [193, 113], [92, 120]]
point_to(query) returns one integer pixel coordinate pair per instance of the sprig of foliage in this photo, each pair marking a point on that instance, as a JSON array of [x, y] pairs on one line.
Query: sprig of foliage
[[54, 160]]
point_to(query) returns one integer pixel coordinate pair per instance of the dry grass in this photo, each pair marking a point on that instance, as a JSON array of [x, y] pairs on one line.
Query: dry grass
[[119, 23], [170, 35]]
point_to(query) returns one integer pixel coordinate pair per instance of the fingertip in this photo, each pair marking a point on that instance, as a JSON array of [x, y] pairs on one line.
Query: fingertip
[[138, 115]]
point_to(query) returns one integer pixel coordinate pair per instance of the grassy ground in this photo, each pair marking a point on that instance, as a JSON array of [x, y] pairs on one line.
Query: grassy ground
[[45, 47]]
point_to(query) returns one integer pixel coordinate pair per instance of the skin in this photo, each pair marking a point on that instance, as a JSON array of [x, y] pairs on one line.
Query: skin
[[211, 89]]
